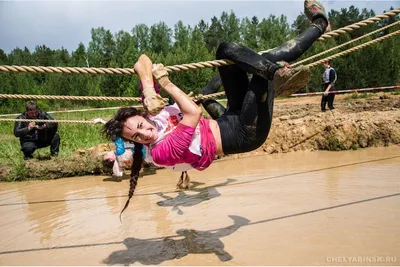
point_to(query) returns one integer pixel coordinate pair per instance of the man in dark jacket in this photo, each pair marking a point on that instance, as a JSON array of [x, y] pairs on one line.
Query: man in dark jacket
[[329, 78], [33, 135]]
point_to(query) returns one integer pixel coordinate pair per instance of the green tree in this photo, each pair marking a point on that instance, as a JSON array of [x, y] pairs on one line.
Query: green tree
[[249, 30], [160, 38]]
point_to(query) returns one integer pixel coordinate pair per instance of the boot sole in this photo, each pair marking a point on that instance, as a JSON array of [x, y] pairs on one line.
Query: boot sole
[[297, 81]]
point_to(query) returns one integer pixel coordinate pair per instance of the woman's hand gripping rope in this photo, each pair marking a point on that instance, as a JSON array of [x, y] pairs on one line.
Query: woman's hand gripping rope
[[153, 102]]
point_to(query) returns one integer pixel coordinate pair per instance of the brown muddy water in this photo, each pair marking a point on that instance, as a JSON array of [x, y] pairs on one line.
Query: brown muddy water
[[303, 208]]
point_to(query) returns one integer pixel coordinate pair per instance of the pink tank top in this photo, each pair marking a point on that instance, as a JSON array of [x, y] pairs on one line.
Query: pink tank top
[[183, 147]]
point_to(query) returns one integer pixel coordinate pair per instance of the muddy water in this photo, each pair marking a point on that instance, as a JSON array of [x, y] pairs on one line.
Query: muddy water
[[304, 208]]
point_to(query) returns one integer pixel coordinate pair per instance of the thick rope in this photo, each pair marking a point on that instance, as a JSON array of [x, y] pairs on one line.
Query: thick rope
[[49, 121], [65, 97], [95, 121], [353, 49], [360, 24], [342, 45], [95, 98], [183, 67], [354, 26]]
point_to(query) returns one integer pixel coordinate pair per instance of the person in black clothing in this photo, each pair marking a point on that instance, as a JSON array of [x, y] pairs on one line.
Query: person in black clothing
[[329, 78], [33, 135]]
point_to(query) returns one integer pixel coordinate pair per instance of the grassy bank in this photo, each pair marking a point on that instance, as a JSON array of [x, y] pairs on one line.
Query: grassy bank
[[73, 136]]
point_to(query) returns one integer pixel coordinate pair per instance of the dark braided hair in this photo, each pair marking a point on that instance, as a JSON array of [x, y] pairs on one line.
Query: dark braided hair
[[135, 169], [113, 128]]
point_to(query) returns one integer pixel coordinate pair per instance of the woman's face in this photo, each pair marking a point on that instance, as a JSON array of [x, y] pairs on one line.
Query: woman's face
[[139, 130]]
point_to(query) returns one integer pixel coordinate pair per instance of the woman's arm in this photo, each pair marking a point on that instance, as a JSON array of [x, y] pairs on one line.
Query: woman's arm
[[190, 110], [152, 101]]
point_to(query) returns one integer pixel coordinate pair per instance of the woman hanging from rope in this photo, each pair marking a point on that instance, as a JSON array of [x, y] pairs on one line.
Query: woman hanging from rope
[[180, 138]]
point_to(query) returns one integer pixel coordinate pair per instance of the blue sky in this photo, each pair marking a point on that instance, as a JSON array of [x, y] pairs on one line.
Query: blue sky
[[67, 23]]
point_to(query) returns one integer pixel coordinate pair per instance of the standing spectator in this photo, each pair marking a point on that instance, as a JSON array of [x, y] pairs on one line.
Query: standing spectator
[[34, 135], [329, 78]]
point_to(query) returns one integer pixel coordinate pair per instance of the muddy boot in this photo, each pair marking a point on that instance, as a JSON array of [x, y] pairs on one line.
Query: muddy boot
[[288, 80], [314, 10]]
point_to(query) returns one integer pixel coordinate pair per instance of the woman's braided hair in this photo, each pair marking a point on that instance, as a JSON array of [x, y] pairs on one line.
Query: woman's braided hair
[[135, 169], [114, 127]]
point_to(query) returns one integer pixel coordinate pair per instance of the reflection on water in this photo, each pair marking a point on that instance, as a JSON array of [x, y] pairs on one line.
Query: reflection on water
[[150, 252], [43, 221]]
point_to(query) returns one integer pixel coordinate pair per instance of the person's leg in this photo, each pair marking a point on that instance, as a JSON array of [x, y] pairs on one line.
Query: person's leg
[[323, 103], [284, 80], [234, 77], [52, 139], [257, 112], [331, 97], [28, 148], [248, 129], [213, 107], [247, 59], [55, 145], [293, 49], [212, 86]]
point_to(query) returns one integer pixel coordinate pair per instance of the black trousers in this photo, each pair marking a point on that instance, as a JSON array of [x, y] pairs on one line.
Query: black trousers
[[246, 123], [327, 99], [28, 147]]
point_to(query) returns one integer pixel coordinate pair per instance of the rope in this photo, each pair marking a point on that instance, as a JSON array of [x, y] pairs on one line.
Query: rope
[[71, 111], [201, 97], [182, 67], [49, 121], [349, 90], [65, 97], [93, 98], [357, 25], [120, 71], [353, 26], [347, 43], [353, 49]]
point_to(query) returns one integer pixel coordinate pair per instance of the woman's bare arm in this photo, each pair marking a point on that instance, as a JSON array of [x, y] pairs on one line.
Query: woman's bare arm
[[191, 111], [152, 102]]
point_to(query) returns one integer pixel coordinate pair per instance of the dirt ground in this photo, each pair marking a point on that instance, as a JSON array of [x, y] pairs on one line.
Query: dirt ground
[[298, 124], [355, 123]]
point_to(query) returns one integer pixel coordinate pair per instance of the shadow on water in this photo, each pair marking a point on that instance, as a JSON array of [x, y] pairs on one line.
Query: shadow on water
[[188, 241], [187, 200], [219, 231]]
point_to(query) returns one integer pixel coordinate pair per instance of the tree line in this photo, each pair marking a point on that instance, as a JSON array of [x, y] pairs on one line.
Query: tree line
[[376, 65]]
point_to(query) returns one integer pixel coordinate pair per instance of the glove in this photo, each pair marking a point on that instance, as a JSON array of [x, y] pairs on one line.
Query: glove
[[153, 102], [159, 71]]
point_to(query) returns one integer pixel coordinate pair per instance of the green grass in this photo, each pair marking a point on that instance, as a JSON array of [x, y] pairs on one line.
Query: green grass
[[396, 92], [359, 96]]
